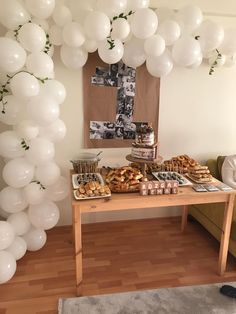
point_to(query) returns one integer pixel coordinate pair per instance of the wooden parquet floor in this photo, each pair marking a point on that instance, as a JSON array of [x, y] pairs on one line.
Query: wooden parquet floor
[[118, 256]]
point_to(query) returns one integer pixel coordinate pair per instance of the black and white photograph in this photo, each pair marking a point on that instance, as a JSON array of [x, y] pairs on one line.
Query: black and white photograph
[[121, 94], [129, 88], [109, 135], [114, 70], [130, 126], [110, 81], [97, 80], [139, 125], [119, 120], [121, 107], [129, 135], [102, 71], [119, 132], [109, 125]]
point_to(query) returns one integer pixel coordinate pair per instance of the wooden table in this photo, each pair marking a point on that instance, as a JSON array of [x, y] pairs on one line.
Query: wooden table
[[186, 196]]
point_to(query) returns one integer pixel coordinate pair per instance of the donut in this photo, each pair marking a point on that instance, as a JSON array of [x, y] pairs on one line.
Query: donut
[[181, 158]]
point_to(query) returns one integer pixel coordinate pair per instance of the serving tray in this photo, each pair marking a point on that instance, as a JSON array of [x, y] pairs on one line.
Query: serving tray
[[171, 175]]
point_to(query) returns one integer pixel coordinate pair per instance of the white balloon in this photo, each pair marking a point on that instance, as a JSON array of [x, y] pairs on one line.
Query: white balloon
[[42, 23], [55, 90], [170, 31], [32, 37], [44, 216], [216, 60], [228, 45], [40, 151], [160, 66], [10, 34], [73, 58], [43, 109], [40, 64], [17, 248], [144, 23], [10, 110], [154, 46], [197, 63], [97, 25], [48, 174], [186, 50], [55, 35], [12, 200], [35, 239], [20, 223], [80, 9], [12, 55], [10, 145], [7, 266], [24, 85], [55, 132], [112, 7], [13, 14], [34, 193], [27, 129], [59, 190], [120, 29], [90, 45], [7, 234], [18, 172], [189, 17], [137, 4], [164, 13], [41, 9], [108, 55], [134, 54], [62, 15], [73, 34]]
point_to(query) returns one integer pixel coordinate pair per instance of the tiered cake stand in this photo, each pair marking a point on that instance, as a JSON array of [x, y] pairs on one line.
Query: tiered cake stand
[[143, 163]]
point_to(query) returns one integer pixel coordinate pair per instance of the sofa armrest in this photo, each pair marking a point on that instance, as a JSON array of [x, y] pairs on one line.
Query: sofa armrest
[[212, 166]]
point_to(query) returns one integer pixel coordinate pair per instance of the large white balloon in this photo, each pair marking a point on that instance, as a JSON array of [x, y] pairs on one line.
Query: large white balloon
[[41, 9], [160, 66], [134, 54], [7, 266], [7, 234], [73, 58], [40, 151], [55, 35], [55, 132], [10, 111], [210, 35], [24, 85], [55, 90], [113, 55], [12, 200], [27, 129], [17, 248], [35, 239], [189, 17], [12, 55], [48, 173], [43, 109], [154, 46], [18, 172], [134, 5], [32, 37], [144, 23], [59, 190], [34, 193], [112, 7], [20, 223], [97, 25], [62, 15], [170, 31], [10, 145], [228, 45], [186, 50], [44, 216], [164, 13], [80, 9], [90, 45], [40, 64], [73, 34], [13, 14], [120, 29]]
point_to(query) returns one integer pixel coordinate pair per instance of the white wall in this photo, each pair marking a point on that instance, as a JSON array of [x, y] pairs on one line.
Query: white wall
[[197, 117]]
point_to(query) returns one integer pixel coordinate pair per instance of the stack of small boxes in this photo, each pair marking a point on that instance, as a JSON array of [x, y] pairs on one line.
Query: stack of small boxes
[[158, 187]]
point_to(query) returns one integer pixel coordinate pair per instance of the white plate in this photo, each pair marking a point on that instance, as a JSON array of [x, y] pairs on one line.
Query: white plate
[[89, 197], [158, 175], [78, 178]]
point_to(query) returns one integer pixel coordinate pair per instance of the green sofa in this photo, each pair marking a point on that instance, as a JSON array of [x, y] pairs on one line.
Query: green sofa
[[210, 216]]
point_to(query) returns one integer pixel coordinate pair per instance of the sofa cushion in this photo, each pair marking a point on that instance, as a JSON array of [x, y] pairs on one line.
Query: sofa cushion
[[212, 166], [220, 160]]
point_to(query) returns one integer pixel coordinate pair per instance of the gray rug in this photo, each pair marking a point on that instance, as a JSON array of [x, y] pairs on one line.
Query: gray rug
[[205, 299]]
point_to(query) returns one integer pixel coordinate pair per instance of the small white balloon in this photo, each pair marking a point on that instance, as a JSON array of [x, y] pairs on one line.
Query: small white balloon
[[32, 37], [44, 216], [27, 129], [24, 86], [134, 5], [144, 23], [7, 234], [48, 174], [120, 29], [112, 7], [40, 151], [34, 193], [43, 109], [7, 266], [41, 9], [17, 248], [73, 34], [189, 17], [160, 66], [12, 55], [217, 60], [18, 172], [97, 25], [62, 15], [42, 23], [154, 46], [55, 132], [10, 110], [55, 35], [113, 55], [164, 13], [170, 31], [40, 64], [73, 58], [55, 90], [10, 145], [134, 54], [13, 14], [58, 191], [20, 222], [12, 200], [90, 45], [35, 239]]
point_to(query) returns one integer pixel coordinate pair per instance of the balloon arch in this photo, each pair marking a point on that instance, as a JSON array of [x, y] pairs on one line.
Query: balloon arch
[[30, 96]]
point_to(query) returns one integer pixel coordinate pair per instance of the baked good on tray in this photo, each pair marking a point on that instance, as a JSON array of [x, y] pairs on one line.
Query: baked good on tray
[[180, 163], [200, 173], [92, 189]]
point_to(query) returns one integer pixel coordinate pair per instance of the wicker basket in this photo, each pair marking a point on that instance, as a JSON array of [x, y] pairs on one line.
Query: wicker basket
[[86, 163]]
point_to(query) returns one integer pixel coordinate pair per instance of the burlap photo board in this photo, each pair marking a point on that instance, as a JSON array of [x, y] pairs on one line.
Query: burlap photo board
[[117, 100]]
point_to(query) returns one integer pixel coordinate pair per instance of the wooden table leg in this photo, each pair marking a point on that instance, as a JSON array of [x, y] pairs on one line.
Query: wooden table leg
[[184, 218], [225, 235], [78, 248]]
